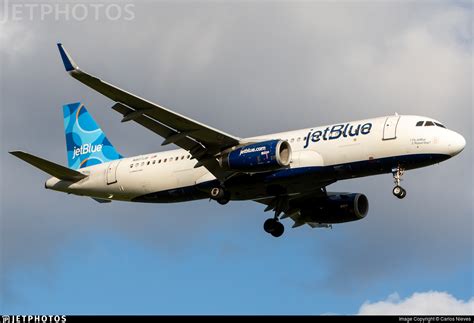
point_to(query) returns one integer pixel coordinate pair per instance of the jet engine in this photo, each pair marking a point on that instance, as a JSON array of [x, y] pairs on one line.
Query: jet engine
[[258, 157], [337, 208]]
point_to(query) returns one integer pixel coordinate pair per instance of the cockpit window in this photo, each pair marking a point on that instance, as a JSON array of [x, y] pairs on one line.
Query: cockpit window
[[419, 123], [429, 123], [439, 125]]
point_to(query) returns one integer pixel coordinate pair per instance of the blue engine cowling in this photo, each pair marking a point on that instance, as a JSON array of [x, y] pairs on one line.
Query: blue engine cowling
[[259, 157]]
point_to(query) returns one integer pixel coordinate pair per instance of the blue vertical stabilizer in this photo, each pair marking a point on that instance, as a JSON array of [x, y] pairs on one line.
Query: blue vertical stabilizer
[[86, 143]]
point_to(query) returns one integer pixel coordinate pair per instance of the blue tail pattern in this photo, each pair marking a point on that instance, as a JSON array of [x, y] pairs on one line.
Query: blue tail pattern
[[86, 143]]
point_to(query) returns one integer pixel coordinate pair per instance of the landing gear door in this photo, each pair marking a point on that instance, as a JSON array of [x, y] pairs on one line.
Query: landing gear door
[[390, 127], [112, 172]]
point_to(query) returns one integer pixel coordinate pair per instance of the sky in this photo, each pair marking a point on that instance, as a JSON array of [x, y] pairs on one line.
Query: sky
[[247, 68]]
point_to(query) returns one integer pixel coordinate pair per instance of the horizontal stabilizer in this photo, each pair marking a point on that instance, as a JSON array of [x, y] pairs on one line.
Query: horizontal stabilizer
[[58, 171]]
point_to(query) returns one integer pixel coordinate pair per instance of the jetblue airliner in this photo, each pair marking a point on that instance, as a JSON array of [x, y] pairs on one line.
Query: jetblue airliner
[[288, 171]]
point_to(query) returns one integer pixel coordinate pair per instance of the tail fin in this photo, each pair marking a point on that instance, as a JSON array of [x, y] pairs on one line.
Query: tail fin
[[86, 143]]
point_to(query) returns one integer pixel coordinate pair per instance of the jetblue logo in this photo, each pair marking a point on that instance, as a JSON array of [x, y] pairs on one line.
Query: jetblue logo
[[252, 150], [338, 131], [86, 149]]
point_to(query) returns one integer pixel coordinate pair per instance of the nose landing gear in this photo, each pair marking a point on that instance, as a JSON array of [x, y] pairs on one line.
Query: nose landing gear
[[398, 191]]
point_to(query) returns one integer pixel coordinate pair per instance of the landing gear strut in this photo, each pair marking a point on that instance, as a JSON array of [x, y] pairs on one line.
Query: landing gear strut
[[220, 195], [398, 191]]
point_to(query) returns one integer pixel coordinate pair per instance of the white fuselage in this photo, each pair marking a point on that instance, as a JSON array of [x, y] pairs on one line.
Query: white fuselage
[[319, 155]]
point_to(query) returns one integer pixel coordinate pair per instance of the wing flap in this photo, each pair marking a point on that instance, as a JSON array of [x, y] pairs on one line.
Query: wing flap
[[156, 127], [50, 168], [197, 150]]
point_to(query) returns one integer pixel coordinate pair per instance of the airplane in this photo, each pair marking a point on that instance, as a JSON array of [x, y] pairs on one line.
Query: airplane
[[287, 172]]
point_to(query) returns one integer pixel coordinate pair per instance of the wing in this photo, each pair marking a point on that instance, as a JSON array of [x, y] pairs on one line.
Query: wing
[[290, 206], [202, 141]]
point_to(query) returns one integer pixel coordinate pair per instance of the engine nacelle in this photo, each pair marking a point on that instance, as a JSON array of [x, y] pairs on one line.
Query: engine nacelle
[[337, 208], [259, 157]]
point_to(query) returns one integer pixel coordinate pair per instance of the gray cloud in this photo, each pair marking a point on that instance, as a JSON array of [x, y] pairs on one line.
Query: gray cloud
[[246, 68]]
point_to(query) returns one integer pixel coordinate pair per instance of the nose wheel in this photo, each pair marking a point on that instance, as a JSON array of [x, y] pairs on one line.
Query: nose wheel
[[398, 191]]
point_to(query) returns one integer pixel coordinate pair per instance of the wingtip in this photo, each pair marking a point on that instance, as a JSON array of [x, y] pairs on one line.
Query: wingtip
[[17, 153], [69, 64]]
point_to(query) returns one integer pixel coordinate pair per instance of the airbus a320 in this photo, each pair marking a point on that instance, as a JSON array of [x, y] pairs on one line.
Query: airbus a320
[[287, 172]]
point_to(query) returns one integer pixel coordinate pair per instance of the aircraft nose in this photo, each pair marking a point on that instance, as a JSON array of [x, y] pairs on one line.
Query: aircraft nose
[[456, 144]]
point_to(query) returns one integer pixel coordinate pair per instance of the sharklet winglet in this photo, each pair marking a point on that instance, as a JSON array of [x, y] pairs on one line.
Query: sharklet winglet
[[69, 64]]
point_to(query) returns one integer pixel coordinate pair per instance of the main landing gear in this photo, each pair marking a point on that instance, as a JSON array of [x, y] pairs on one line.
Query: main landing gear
[[220, 195], [274, 227], [398, 191]]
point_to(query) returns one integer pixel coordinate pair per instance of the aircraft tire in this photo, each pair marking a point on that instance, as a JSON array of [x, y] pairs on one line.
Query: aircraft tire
[[278, 230], [269, 225]]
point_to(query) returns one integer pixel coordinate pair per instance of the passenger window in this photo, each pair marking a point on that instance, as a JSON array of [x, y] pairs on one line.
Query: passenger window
[[159, 161], [439, 125], [131, 166], [292, 140], [154, 162], [419, 123], [143, 163], [148, 163], [189, 156], [136, 165], [176, 158], [429, 123], [182, 157], [298, 139], [164, 161]]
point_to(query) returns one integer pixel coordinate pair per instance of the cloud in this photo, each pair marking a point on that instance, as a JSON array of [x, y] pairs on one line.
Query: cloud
[[423, 303], [15, 39]]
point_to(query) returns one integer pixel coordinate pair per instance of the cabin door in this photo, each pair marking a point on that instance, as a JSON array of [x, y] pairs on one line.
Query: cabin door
[[112, 172], [390, 127]]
